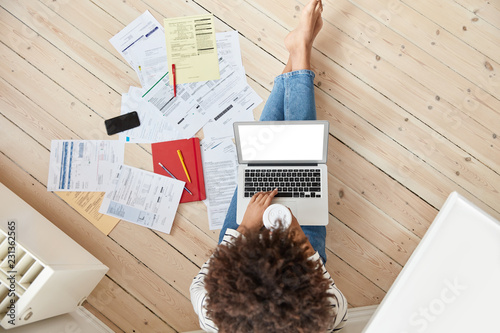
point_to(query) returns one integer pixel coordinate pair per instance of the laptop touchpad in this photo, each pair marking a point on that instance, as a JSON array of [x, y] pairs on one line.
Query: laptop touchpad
[[292, 204]]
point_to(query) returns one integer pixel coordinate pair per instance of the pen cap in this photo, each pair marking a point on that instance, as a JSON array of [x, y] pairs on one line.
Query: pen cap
[[276, 213]]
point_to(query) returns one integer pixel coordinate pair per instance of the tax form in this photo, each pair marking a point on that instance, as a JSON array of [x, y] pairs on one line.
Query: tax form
[[191, 46], [83, 165], [144, 198]]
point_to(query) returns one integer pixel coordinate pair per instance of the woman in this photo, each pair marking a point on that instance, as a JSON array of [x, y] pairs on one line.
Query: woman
[[258, 281]]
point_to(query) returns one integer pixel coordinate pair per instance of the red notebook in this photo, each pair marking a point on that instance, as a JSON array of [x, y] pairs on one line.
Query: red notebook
[[166, 154]]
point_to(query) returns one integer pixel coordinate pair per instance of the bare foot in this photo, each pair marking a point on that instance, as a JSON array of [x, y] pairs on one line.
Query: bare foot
[[305, 32], [299, 41]]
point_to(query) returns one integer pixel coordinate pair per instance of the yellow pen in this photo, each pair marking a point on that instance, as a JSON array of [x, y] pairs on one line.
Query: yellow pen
[[183, 165]]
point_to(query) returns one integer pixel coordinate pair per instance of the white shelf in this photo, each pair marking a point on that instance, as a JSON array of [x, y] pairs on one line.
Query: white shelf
[[43, 272]]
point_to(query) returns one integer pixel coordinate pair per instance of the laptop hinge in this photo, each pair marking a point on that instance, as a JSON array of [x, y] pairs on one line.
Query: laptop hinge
[[282, 164]]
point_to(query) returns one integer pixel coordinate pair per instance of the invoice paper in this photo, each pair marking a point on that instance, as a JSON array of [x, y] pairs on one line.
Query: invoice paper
[[150, 58], [83, 165], [142, 44], [220, 172], [144, 198], [192, 48]]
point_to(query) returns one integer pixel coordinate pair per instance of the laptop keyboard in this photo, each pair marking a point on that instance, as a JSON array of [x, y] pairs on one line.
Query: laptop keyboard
[[292, 183]]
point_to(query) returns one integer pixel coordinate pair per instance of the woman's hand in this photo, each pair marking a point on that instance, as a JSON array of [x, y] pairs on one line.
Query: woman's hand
[[252, 220]]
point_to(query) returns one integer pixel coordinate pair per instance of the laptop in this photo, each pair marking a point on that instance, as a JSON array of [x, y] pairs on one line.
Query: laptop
[[290, 156]]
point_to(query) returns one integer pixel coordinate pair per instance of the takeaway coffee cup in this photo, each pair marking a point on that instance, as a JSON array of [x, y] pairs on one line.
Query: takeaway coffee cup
[[275, 213]]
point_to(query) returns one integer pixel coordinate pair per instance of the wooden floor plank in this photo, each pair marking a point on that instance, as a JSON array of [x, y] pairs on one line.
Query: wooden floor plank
[[373, 263], [89, 19], [441, 44], [102, 318], [122, 308], [75, 44], [457, 20], [369, 222], [483, 9], [157, 255], [358, 290], [64, 71], [385, 193], [395, 160]]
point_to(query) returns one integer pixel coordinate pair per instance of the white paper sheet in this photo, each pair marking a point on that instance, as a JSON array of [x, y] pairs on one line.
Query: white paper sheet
[[228, 47], [142, 44], [220, 172], [222, 128], [83, 166], [143, 198], [150, 58], [154, 126]]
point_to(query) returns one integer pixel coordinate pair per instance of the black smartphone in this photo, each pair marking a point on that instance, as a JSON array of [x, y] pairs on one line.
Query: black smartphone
[[122, 123]]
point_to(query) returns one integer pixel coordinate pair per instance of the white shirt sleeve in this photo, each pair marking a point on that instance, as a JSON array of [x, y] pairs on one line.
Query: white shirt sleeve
[[199, 293], [337, 300]]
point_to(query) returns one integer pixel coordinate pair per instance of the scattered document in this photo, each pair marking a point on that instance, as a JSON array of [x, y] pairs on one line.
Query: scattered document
[[154, 126], [83, 165], [220, 169], [88, 204], [150, 58], [221, 128], [144, 198], [192, 48], [142, 43], [197, 102], [228, 47]]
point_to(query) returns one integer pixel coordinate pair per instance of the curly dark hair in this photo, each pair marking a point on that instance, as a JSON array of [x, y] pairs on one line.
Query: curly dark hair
[[264, 282]]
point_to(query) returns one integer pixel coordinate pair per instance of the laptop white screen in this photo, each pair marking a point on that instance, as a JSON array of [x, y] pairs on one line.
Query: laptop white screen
[[282, 142]]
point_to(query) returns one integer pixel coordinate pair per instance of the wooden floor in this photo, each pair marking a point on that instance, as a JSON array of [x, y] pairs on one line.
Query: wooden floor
[[410, 88]]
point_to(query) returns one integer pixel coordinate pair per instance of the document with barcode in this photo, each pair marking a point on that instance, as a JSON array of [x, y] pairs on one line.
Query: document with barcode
[[83, 165]]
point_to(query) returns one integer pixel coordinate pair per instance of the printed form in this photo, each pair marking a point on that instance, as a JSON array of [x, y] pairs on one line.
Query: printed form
[[144, 198], [83, 165], [142, 44], [222, 101], [220, 172], [197, 102], [192, 48]]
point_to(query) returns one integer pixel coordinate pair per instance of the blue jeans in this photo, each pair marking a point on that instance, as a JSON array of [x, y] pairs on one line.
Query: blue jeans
[[292, 98]]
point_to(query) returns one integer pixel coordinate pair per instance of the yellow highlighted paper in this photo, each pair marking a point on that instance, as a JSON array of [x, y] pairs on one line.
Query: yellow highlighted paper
[[192, 48]]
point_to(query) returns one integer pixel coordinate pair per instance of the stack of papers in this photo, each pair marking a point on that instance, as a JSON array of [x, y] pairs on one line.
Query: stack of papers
[[213, 105], [217, 103], [147, 198]]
